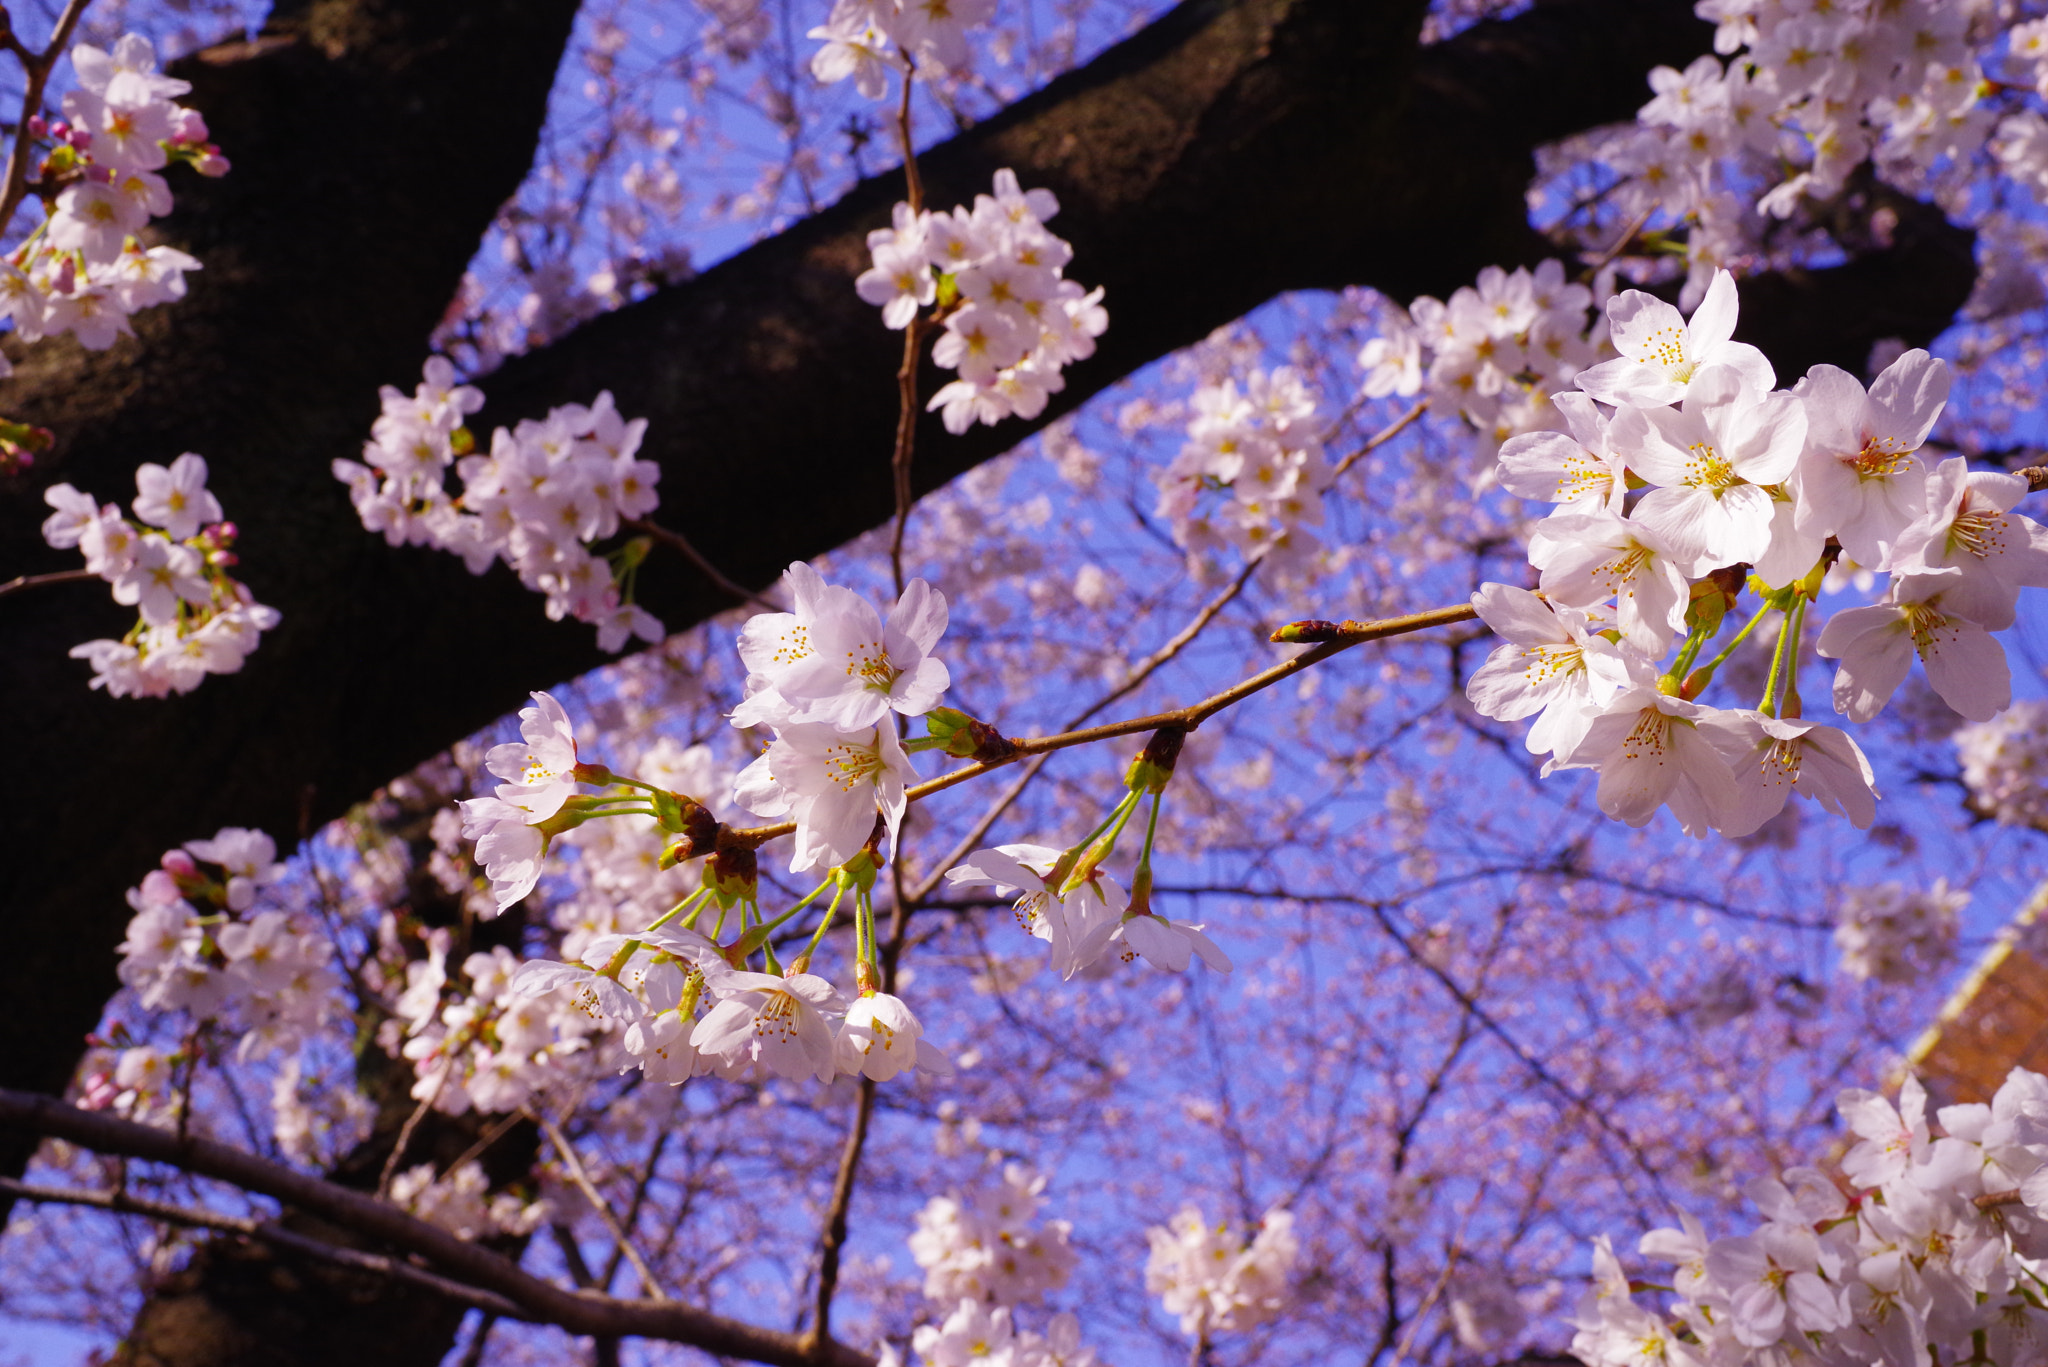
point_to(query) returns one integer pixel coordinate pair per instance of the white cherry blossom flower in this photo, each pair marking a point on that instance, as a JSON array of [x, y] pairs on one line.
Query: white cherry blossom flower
[[1859, 479], [1588, 559], [779, 1023], [1579, 470], [1650, 751], [881, 1037], [1969, 537], [508, 846], [1077, 925], [159, 576], [901, 281], [1661, 352], [1892, 1141], [175, 499], [1170, 945], [1876, 646], [832, 783], [539, 769], [1552, 664], [855, 47], [832, 659], [1774, 756], [1709, 460]]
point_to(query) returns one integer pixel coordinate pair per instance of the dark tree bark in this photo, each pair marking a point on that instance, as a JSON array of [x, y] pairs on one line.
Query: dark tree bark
[[1235, 149]]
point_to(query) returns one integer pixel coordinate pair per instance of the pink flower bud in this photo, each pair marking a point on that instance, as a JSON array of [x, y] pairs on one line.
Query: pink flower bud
[[188, 126], [67, 276], [180, 864], [211, 162], [38, 126], [79, 139], [159, 889], [99, 1092], [59, 130]]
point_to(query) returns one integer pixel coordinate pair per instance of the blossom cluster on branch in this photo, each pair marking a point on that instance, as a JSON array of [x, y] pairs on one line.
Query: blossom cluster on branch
[[1893, 935], [544, 494], [170, 564], [866, 40], [83, 270], [1216, 1276], [200, 944], [1807, 95], [993, 277], [1494, 353], [1927, 1250], [1264, 449], [1686, 478]]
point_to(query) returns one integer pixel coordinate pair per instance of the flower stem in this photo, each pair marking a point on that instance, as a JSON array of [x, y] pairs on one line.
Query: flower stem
[[1769, 705]]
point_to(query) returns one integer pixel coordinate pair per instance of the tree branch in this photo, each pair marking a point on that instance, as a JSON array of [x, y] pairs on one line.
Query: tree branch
[[472, 1266]]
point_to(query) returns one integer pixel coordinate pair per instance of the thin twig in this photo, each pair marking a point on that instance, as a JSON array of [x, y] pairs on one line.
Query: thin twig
[[1180, 641], [834, 1237], [640, 1185], [1620, 244], [486, 1139], [1436, 1289], [36, 72], [604, 1211], [473, 1355], [1151, 665], [676, 541], [913, 346], [30, 581], [1381, 437], [1536, 1067], [1187, 718], [419, 1113]]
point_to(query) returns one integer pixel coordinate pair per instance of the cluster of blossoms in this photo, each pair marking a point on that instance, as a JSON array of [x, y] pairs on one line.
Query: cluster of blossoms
[[171, 564], [1065, 899], [1263, 448], [988, 1245], [1933, 1255], [544, 494], [1896, 936], [2005, 764], [649, 984], [1012, 321], [1737, 475], [481, 1045], [979, 1335], [1811, 93], [1213, 1277], [198, 944], [826, 678], [1494, 353], [865, 40], [462, 1203], [83, 271]]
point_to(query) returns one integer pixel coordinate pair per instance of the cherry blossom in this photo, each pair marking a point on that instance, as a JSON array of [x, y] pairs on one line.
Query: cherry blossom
[[1662, 352], [783, 1024], [833, 783], [881, 1037], [1859, 478]]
